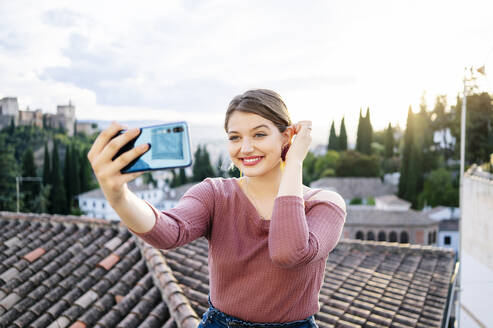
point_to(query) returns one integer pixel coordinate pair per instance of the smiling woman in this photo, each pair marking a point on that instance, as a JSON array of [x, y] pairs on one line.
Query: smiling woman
[[264, 229]]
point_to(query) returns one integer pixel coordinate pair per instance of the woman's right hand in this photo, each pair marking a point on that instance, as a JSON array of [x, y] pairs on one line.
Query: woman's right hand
[[107, 172]]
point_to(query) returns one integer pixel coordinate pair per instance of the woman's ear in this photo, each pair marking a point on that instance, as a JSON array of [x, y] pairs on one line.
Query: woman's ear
[[288, 134]]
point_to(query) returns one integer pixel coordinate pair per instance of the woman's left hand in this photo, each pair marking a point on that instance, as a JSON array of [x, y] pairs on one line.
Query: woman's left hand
[[302, 140]]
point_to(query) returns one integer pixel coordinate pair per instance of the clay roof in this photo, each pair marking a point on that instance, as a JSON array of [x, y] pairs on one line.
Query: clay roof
[[59, 271], [350, 188], [371, 216], [392, 200]]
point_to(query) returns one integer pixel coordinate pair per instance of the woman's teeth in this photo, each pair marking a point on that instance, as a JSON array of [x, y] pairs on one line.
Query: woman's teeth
[[251, 160]]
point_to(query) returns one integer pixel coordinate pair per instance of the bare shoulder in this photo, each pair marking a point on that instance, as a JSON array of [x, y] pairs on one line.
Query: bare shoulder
[[330, 196]]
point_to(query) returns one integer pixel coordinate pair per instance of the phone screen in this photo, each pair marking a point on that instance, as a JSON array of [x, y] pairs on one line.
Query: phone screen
[[170, 148]]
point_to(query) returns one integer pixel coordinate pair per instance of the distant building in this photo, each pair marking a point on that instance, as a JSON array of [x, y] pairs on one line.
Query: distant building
[[9, 111], [94, 204], [477, 249], [64, 117], [448, 234], [443, 213], [391, 203], [87, 128], [31, 117], [351, 188], [402, 226]]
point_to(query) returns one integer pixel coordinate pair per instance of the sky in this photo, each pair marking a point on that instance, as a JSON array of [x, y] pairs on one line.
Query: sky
[[185, 60]]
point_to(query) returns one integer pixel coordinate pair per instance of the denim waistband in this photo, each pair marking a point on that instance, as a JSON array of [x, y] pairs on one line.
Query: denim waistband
[[231, 321]]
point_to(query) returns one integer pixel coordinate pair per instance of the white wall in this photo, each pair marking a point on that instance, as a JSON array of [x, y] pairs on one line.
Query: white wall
[[454, 239]]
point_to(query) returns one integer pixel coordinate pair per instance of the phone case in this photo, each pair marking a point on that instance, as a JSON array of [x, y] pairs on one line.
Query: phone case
[[170, 147]]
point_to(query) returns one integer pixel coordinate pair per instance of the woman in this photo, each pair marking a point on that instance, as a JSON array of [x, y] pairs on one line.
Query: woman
[[269, 235]]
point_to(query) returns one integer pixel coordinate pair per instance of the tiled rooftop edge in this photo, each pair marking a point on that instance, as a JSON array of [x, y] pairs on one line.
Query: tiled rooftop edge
[[171, 292], [392, 246], [474, 173], [44, 217]]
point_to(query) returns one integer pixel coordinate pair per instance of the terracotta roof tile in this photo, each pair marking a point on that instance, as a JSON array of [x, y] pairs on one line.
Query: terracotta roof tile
[[65, 286], [367, 284], [78, 324], [109, 261]]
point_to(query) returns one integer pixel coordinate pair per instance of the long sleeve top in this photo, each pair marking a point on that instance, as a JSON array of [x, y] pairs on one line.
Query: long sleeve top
[[259, 270]]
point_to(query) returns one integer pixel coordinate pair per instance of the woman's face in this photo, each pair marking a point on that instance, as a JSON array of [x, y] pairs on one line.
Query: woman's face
[[255, 143]]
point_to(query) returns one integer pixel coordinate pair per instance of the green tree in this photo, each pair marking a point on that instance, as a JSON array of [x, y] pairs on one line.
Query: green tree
[[206, 162], [389, 142], [8, 173], [479, 127], [364, 137], [439, 190], [325, 165], [197, 165], [333, 140], [368, 134], [406, 155], [411, 168], [309, 174], [183, 176], [342, 136], [202, 167], [30, 189], [360, 132], [58, 199], [68, 179], [86, 176], [46, 167], [149, 179], [75, 170], [355, 164]]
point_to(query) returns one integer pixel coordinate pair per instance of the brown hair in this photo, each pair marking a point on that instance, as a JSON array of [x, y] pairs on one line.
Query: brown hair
[[263, 102]]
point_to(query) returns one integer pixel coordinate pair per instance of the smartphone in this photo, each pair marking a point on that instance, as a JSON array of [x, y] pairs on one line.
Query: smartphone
[[170, 147]]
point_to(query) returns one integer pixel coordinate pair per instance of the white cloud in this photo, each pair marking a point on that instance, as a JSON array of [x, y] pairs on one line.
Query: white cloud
[[187, 59]]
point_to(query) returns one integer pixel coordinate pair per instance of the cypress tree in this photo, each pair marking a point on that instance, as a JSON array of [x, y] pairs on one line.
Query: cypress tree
[[46, 167], [74, 171], [30, 189], [12, 126], [182, 177], [208, 171], [197, 164], [389, 142], [406, 155], [368, 134], [7, 176], [85, 172], [360, 133], [342, 136], [58, 199], [333, 141], [67, 178]]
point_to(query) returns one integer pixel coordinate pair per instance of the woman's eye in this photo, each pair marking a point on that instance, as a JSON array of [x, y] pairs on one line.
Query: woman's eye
[[256, 134]]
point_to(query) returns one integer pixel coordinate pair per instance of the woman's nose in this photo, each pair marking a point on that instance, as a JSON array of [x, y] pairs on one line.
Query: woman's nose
[[246, 146]]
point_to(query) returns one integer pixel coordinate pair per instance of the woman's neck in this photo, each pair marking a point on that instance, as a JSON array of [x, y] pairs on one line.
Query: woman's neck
[[266, 185]]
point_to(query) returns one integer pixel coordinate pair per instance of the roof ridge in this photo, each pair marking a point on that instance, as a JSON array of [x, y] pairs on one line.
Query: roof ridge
[[60, 218], [172, 293], [406, 247]]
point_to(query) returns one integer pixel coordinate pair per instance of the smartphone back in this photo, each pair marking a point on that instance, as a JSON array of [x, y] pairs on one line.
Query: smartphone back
[[170, 147]]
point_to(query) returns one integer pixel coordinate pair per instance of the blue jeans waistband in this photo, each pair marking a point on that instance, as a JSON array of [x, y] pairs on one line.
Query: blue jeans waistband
[[231, 321]]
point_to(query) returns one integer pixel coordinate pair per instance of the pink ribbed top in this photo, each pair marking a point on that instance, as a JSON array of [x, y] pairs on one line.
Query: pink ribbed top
[[259, 270]]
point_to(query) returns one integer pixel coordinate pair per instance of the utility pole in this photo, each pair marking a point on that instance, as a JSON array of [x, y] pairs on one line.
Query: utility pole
[[17, 187]]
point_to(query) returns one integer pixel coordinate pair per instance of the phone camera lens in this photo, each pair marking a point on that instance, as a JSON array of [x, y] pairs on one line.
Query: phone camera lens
[[178, 129]]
